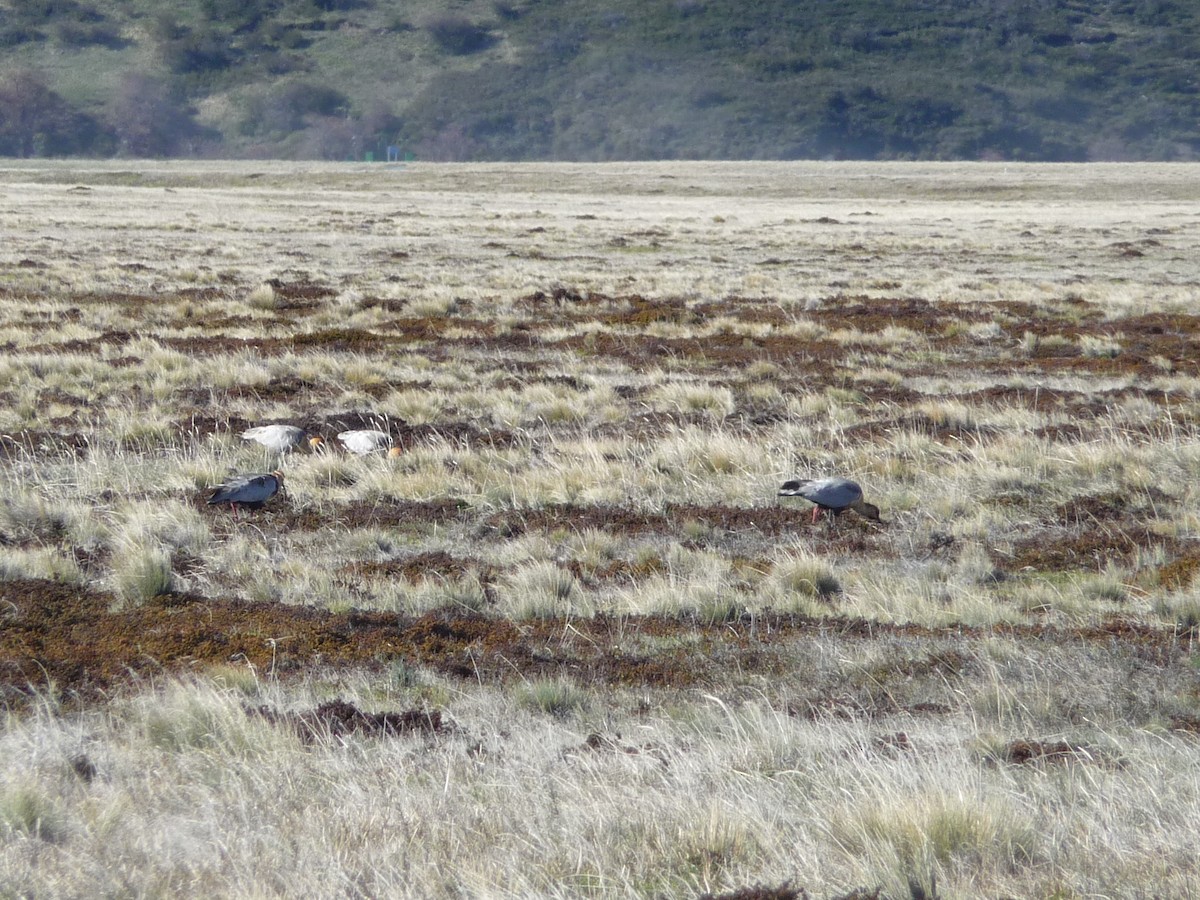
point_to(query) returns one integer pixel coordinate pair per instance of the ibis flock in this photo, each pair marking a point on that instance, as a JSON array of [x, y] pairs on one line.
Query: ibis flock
[[830, 495], [252, 491]]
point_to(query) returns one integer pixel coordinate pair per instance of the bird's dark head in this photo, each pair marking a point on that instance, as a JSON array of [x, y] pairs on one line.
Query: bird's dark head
[[791, 488], [867, 510]]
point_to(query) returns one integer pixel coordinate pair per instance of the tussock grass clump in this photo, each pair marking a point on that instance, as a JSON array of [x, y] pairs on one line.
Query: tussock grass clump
[[916, 837], [186, 718], [40, 562], [1181, 611], [26, 514], [540, 589], [263, 297], [558, 696], [141, 572], [693, 399], [27, 810], [694, 453], [799, 577], [1099, 346]]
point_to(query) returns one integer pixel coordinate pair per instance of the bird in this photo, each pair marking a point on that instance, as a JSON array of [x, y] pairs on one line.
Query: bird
[[367, 441], [281, 438], [834, 494], [251, 491]]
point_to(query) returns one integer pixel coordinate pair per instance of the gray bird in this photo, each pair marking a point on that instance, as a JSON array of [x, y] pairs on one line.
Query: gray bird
[[834, 494], [367, 441], [251, 491], [280, 438]]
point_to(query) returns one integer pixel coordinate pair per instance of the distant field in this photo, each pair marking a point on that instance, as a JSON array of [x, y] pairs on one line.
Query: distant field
[[570, 642]]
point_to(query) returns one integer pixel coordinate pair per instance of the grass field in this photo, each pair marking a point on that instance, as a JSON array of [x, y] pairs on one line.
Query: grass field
[[570, 642]]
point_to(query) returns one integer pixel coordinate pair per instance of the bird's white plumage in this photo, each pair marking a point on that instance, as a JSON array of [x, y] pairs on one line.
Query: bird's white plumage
[[279, 438], [248, 490], [365, 441]]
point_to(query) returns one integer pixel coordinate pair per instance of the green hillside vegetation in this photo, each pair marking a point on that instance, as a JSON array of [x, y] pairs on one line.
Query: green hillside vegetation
[[575, 80]]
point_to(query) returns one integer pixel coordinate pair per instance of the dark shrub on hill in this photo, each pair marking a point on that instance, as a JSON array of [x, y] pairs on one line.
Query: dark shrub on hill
[[459, 35], [149, 119], [36, 121]]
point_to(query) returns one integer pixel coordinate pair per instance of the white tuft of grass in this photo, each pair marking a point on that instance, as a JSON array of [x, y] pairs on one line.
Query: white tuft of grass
[[263, 297]]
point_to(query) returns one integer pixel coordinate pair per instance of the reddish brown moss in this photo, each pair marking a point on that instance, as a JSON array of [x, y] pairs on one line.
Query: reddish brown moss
[[338, 719]]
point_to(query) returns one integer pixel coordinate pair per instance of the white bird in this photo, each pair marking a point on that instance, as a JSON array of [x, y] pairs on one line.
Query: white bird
[[280, 438], [367, 441], [248, 490], [833, 494]]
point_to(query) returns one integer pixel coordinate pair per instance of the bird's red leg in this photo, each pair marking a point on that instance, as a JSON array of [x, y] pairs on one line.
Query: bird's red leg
[[816, 513]]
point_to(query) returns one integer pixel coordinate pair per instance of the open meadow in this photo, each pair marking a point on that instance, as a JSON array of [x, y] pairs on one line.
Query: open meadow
[[570, 642]]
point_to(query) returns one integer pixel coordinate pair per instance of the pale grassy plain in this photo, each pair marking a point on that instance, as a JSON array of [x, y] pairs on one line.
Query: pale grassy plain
[[137, 328]]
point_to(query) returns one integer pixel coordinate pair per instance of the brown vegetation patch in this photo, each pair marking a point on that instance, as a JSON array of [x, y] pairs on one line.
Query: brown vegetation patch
[[201, 424], [339, 719], [1044, 400], [1111, 506], [1181, 572], [212, 345], [1094, 508], [617, 570], [820, 360], [1088, 548], [342, 340], [514, 522], [769, 520], [1187, 724], [765, 520], [946, 428], [565, 296], [95, 345], [362, 514], [433, 328], [597, 742], [762, 892], [640, 312], [285, 388], [1023, 752], [294, 293], [43, 443], [877, 313], [278, 516], [77, 643], [420, 567], [758, 311]]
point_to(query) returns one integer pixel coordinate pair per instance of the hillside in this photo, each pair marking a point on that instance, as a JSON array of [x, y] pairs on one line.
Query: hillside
[[573, 80]]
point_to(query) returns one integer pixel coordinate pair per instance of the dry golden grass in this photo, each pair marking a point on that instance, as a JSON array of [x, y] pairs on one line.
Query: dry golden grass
[[654, 677]]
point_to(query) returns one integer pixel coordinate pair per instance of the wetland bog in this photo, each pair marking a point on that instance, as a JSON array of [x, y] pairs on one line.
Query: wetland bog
[[570, 642]]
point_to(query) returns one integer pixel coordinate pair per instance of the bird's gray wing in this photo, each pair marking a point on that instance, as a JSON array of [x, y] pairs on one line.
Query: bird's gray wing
[[836, 493], [245, 489]]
